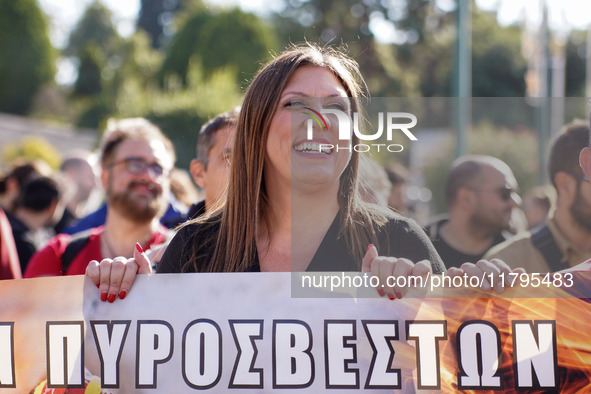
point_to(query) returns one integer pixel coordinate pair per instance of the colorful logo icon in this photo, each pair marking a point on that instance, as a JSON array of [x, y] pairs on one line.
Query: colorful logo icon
[[317, 117]]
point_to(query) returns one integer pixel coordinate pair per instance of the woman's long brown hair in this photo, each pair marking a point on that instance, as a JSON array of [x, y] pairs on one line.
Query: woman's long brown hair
[[247, 198]]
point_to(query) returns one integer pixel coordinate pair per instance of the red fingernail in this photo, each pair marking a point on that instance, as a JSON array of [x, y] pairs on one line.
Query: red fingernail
[[122, 294], [391, 297], [98, 285], [112, 297], [368, 247], [381, 292], [398, 295], [139, 247], [104, 296]]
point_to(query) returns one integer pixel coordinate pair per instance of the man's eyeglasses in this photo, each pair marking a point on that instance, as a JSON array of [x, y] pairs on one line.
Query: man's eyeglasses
[[138, 166], [580, 177]]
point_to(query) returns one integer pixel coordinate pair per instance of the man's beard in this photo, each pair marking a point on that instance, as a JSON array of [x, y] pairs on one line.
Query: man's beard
[[581, 210], [126, 206], [484, 225]]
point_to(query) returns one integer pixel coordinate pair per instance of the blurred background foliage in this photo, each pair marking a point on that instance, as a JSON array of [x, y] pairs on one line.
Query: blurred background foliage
[[26, 54], [33, 148], [189, 60]]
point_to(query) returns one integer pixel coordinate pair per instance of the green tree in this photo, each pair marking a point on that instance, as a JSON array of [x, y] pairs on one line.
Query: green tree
[[431, 57], [420, 62], [156, 18], [575, 73], [389, 69], [183, 46], [498, 67], [133, 63], [26, 54], [89, 81], [136, 60], [95, 27], [94, 42], [180, 112], [226, 38], [105, 61]]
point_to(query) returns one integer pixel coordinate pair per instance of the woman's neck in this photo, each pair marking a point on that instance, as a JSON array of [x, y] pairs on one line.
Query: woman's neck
[[310, 223], [293, 235], [296, 212]]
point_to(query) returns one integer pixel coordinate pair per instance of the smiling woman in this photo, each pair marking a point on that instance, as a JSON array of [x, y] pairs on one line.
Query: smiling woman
[[288, 208]]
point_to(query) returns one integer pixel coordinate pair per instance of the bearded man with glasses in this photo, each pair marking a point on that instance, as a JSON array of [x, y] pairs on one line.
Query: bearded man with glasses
[[564, 240], [136, 159], [481, 194]]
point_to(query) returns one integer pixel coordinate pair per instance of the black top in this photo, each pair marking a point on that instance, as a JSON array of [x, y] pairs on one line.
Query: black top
[[400, 237], [451, 256], [196, 210], [68, 219], [25, 247]]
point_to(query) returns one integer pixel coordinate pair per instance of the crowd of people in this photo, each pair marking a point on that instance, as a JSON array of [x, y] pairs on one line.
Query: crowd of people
[[273, 200]]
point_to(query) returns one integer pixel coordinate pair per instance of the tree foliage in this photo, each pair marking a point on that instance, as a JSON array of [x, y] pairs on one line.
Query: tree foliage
[[405, 48], [575, 72], [347, 22], [180, 112], [419, 59], [156, 17], [220, 38], [105, 61], [95, 43], [94, 28], [498, 66], [132, 62], [33, 148], [26, 55], [89, 81]]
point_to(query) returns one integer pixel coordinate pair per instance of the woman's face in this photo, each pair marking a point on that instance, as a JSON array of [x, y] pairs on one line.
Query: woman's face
[[293, 160]]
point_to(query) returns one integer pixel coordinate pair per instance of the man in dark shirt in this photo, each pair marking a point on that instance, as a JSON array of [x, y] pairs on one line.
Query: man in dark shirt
[[480, 195]]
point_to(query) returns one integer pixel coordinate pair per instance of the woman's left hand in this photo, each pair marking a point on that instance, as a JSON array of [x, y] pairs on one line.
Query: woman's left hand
[[389, 269]]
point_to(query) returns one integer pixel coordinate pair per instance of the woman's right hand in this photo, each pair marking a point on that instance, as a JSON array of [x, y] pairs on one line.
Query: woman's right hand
[[386, 268], [485, 269], [114, 277]]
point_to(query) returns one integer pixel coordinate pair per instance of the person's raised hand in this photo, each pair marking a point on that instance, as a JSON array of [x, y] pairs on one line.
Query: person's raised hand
[[492, 274], [393, 273], [114, 277]]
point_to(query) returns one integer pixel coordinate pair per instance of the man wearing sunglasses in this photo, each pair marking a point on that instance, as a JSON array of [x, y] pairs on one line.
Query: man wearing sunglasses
[[564, 240], [136, 159], [480, 193]]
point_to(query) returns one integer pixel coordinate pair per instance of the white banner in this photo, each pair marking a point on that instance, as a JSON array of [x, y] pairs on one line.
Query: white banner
[[245, 332]]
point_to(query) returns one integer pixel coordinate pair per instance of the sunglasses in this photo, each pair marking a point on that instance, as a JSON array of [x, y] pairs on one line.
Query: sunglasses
[[138, 166], [580, 177], [506, 192]]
